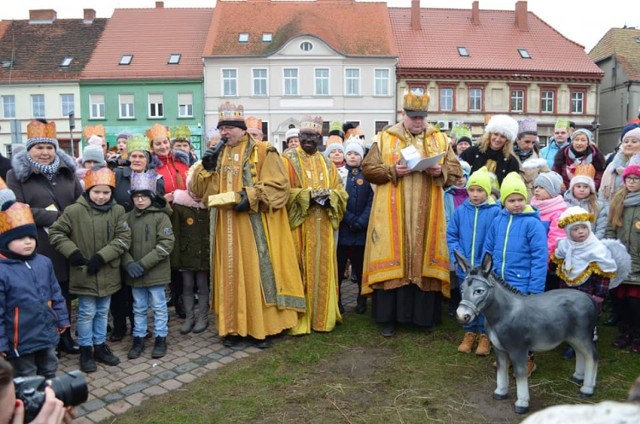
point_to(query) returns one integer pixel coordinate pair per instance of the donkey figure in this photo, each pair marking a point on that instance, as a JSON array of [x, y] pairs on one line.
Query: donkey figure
[[517, 324]]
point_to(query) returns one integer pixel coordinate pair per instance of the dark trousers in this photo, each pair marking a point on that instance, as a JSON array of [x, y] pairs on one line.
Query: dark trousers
[[42, 362], [122, 307], [407, 305], [355, 254]]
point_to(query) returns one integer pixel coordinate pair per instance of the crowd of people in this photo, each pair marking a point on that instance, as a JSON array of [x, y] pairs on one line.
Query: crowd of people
[[116, 227]]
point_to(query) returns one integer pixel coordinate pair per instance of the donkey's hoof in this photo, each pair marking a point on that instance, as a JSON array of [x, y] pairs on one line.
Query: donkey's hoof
[[521, 409], [584, 395], [497, 396], [577, 380]]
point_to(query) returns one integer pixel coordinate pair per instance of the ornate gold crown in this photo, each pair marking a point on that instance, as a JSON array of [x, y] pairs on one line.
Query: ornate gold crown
[[138, 143], [158, 131], [416, 101], [253, 122], [587, 170], [90, 130], [37, 129], [181, 132], [313, 124], [15, 216], [230, 112], [102, 176]]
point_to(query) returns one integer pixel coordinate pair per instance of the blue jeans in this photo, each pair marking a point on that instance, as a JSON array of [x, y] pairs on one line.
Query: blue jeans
[[477, 325], [93, 315], [154, 297]]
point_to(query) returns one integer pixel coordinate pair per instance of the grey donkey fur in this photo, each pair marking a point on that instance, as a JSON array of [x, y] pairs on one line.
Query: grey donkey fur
[[517, 324]]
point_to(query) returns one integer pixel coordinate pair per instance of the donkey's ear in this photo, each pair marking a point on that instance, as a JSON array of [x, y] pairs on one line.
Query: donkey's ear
[[461, 261], [487, 263]]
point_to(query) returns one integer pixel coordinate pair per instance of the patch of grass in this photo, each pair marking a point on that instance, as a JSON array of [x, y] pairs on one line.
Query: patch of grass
[[354, 375]]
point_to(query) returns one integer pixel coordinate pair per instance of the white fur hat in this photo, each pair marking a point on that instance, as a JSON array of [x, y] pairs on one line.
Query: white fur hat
[[505, 125], [292, 132]]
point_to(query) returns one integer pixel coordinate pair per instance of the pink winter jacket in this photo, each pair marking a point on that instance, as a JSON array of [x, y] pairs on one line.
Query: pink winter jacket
[[550, 211]]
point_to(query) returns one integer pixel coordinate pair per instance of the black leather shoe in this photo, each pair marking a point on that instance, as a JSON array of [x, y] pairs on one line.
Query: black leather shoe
[[231, 341], [612, 320], [361, 305], [388, 329], [263, 344], [67, 344]]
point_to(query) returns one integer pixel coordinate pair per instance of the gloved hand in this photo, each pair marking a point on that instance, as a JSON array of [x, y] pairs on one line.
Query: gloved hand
[[94, 264], [76, 259], [210, 157], [135, 270], [244, 205]]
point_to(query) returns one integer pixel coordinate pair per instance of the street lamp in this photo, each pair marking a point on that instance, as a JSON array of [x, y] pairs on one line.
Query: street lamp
[[72, 125]]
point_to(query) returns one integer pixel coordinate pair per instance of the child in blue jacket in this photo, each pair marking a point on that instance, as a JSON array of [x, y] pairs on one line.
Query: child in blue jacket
[[466, 233]]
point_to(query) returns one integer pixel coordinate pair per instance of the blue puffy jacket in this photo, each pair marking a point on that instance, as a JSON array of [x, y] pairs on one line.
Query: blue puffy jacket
[[518, 245], [32, 308], [467, 231]]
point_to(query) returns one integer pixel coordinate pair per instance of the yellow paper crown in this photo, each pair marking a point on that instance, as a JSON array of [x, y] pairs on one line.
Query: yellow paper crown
[[586, 170], [310, 123], [416, 101], [90, 130], [15, 216], [253, 122], [37, 129], [158, 131], [562, 123], [102, 176], [138, 143], [230, 112], [575, 214], [181, 132]]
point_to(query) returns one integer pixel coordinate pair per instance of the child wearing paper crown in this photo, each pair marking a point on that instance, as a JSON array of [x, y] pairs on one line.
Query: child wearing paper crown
[[582, 192], [466, 234], [517, 241], [31, 305], [624, 225], [93, 235], [148, 263]]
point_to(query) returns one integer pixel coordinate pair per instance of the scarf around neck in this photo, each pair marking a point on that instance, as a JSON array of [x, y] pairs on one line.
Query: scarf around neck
[[48, 171], [581, 259], [522, 155]]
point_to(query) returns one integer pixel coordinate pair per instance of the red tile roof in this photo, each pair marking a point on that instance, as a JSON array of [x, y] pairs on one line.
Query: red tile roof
[[37, 50], [151, 36], [349, 27], [492, 44], [624, 45]]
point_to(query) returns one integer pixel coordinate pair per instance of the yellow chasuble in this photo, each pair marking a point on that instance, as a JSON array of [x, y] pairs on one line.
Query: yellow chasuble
[[406, 237], [313, 227], [257, 291]]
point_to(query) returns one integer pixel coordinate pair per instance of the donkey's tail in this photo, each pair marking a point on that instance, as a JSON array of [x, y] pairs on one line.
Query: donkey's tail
[[621, 258]]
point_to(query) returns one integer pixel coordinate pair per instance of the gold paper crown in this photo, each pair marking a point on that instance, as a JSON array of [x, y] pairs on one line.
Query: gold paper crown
[[580, 217], [15, 216], [586, 170], [253, 122], [313, 124], [102, 176], [181, 132], [416, 101], [90, 130], [37, 129], [230, 112], [3, 185], [158, 131], [138, 143], [562, 123]]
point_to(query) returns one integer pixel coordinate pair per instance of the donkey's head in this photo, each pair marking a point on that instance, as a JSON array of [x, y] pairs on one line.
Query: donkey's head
[[475, 288]]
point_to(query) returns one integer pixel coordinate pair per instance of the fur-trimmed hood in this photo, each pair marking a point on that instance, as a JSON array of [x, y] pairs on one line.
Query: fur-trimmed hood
[[23, 169]]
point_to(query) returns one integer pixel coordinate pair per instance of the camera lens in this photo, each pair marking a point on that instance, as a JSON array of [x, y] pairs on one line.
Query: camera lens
[[71, 388]]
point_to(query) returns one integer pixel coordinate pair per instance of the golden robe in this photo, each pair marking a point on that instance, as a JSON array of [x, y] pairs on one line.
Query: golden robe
[[406, 237], [313, 228], [257, 289]]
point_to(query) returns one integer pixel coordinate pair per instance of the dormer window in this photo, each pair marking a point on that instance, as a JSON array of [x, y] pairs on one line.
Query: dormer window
[[174, 58], [524, 53], [462, 51], [126, 59], [306, 46], [243, 37], [66, 62], [267, 37]]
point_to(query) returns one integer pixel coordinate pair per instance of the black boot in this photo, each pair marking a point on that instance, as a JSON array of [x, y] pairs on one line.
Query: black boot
[[159, 347], [103, 354], [136, 348], [361, 304], [67, 344], [87, 364], [179, 306]]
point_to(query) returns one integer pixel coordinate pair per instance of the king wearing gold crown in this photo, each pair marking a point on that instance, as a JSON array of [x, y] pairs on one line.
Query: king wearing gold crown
[[406, 264]]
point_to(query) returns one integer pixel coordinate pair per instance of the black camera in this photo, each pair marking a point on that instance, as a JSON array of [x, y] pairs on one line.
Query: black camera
[[71, 388]]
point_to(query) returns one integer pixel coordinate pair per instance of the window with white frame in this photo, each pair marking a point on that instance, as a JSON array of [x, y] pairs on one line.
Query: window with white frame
[[37, 105], [577, 102], [67, 104], [321, 85], [96, 106], [547, 98], [381, 82], [156, 106], [229, 82], [517, 100], [352, 81], [127, 108], [475, 99], [9, 106], [185, 105], [446, 99], [259, 82], [290, 76]]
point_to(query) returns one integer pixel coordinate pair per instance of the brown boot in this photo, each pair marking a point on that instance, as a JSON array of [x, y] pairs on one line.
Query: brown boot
[[484, 346], [467, 343]]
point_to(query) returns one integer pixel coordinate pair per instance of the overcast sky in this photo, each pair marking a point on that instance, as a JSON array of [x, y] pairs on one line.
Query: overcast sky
[[582, 21]]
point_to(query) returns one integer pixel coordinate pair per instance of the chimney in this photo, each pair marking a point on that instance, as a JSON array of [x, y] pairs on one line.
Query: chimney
[[159, 5], [415, 15], [42, 16], [475, 13], [89, 16], [521, 16]]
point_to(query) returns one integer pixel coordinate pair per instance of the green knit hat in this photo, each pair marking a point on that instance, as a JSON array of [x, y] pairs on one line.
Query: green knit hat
[[513, 184], [482, 179]]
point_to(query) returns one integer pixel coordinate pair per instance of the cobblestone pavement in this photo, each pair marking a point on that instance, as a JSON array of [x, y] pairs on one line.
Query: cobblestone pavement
[[113, 390]]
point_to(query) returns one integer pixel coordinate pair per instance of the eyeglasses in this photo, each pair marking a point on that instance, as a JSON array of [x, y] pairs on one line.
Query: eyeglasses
[[138, 196], [632, 179]]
